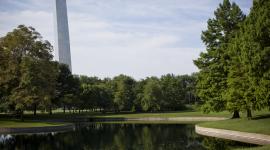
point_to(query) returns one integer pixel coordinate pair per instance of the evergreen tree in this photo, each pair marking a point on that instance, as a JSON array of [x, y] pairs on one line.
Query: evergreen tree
[[250, 70], [213, 64]]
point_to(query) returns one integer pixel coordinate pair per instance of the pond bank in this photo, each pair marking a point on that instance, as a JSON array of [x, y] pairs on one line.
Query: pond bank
[[181, 119], [22, 130], [39, 129], [253, 138]]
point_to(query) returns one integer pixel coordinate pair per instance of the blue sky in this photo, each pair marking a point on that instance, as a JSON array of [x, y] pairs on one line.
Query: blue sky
[[139, 38]]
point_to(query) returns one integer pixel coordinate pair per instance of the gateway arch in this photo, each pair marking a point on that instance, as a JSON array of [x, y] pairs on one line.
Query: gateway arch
[[61, 31]]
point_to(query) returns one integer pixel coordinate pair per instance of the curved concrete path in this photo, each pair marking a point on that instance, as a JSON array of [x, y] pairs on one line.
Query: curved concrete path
[[253, 138], [36, 129]]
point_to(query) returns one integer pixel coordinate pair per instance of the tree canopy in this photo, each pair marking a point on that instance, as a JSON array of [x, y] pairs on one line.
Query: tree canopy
[[213, 64], [26, 70]]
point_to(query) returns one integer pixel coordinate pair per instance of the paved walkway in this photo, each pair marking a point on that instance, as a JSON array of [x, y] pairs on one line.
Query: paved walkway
[[246, 137]]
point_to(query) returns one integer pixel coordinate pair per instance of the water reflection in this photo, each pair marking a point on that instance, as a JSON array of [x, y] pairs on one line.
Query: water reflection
[[117, 137]]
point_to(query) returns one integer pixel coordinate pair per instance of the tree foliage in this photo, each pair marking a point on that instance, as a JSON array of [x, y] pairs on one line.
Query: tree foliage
[[213, 64], [25, 69], [151, 100], [249, 69]]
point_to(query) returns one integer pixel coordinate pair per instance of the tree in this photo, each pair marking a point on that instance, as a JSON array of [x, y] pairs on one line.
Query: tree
[[23, 76], [139, 89], [88, 96], [67, 88], [189, 82], [104, 97], [250, 50], [236, 80], [213, 64], [4, 63], [96, 93], [173, 92], [123, 92], [36, 75], [151, 95], [89, 80]]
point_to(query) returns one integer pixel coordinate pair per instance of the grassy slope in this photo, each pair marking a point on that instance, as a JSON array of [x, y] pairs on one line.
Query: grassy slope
[[164, 115], [254, 126], [149, 122], [259, 124], [255, 148], [60, 115], [174, 114], [7, 122], [19, 124]]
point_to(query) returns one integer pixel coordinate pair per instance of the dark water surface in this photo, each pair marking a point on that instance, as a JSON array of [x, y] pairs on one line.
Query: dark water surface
[[98, 136]]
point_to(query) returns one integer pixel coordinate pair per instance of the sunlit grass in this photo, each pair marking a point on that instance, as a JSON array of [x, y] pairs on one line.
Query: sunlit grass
[[20, 124], [255, 148], [164, 114], [260, 123]]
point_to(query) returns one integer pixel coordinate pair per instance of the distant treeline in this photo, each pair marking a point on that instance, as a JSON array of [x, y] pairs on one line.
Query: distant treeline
[[123, 93]]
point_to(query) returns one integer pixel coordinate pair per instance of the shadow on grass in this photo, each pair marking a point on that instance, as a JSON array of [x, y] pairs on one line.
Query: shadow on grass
[[264, 116]]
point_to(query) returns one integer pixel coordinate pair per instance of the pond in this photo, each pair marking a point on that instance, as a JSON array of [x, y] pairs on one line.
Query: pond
[[104, 136]]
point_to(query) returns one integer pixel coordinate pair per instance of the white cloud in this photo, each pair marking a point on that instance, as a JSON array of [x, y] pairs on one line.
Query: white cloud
[[109, 37], [40, 20]]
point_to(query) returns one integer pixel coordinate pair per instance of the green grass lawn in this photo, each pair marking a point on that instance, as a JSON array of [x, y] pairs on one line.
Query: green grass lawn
[[175, 114], [149, 122], [260, 123], [20, 124], [255, 148], [42, 118], [60, 115], [164, 114]]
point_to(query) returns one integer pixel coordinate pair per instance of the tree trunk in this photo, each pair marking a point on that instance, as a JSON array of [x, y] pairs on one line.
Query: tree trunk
[[236, 114], [249, 114], [21, 115], [50, 110], [64, 109], [35, 109]]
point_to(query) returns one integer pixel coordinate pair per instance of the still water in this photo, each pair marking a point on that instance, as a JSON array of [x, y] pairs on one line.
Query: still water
[[97, 136]]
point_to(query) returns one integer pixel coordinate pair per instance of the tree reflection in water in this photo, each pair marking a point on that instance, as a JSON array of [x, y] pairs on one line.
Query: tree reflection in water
[[118, 137]]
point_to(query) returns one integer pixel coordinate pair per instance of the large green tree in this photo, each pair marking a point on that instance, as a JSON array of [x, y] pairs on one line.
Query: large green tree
[[173, 92], [67, 89], [139, 91], [152, 95], [249, 73], [123, 92], [213, 64], [4, 88], [24, 76]]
